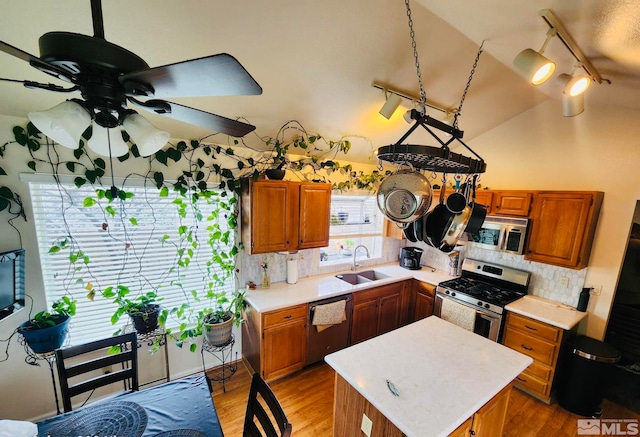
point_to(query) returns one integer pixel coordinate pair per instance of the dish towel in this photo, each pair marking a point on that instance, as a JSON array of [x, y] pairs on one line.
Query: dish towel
[[458, 314], [325, 316]]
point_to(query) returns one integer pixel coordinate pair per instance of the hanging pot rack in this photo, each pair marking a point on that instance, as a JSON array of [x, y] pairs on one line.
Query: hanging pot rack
[[436, 159]]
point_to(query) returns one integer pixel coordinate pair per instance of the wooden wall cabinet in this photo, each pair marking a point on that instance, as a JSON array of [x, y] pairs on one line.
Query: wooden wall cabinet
[[422, 300], [543, 343], [284, 215], [274, 343], [511, 203], [378, 310], [562, 227]]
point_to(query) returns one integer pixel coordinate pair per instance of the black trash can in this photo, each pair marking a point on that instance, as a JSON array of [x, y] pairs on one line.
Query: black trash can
[[584, 376]]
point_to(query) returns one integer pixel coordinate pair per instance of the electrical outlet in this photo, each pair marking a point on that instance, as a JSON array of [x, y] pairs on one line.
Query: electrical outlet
[[564, 282], [596, 290], [366, 426]]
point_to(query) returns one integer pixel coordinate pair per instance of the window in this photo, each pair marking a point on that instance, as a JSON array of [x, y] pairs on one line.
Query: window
[[355, 220], [147, 227]]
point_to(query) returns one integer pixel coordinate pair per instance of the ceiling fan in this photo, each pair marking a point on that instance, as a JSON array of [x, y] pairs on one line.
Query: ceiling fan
[[109, 76]]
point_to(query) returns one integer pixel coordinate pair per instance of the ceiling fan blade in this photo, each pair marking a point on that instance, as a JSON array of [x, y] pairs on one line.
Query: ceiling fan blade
[[38, 63], [216, 75], [197, 117]]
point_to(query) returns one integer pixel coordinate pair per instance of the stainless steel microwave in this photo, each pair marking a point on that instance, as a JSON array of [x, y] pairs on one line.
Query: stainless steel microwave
[[504, 234]]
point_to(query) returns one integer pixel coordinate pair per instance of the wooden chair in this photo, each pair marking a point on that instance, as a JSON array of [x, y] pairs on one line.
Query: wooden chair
[[256, 410], [77, 375]]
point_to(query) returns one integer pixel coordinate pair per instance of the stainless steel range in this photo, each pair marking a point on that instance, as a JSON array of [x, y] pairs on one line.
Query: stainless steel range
[[487, 288]]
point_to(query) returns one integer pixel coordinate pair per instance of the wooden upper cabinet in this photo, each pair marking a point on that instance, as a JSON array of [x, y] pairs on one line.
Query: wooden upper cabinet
[[282, 215], [485, 197], [562, 228], [315, 213], [513, 203]]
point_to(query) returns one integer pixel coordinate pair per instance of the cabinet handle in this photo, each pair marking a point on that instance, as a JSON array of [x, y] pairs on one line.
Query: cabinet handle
[[530, 327], [287, 317], [526, 348], [521, 379]]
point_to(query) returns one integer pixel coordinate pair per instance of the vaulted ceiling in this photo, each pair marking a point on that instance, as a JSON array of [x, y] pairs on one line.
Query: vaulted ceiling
[[316, 61]]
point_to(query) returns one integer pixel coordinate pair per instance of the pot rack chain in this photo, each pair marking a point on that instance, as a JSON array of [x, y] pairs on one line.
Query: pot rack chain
[[412, 34], [466, 88]]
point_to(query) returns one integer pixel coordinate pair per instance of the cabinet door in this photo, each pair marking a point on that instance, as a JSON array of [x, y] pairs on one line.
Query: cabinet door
[[515, 203], [389, 312], [274, 222], [489, 420], [315, 213], [364, 322], [463, 430], [562, 227], [284, 348], [484, 197], [423, 300]]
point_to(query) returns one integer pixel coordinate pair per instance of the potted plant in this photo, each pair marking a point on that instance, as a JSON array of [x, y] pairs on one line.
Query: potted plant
[[217, 322], [144, 310], [46, 331]]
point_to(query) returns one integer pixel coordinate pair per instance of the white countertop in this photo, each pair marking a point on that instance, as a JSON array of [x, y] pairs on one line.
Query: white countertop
[[548, 311], [444, 374], [282, 295]]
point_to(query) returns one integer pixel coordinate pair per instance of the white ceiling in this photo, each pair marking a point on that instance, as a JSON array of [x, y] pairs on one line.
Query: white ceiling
[[316, 60]]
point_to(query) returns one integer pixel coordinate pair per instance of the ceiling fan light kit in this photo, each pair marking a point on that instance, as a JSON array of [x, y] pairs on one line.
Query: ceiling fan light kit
[[64, 123], [109, 76], [107, 141]]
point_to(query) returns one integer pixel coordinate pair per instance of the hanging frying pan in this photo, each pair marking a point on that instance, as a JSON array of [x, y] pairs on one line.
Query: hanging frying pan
[[409, 232], [418, 228], [478, 214], [438, 220]]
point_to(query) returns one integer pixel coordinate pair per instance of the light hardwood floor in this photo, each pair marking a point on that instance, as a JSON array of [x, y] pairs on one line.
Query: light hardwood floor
[[307, 398]]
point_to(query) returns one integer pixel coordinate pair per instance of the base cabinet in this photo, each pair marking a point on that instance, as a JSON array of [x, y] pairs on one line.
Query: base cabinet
[[544, 344], [350, 405], [422, 300], [274, 343], [377, 310]]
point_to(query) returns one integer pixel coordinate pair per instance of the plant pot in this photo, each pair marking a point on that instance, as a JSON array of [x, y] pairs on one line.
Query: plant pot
[[218, 334], [43, 340], [275, 174], [146, 321]]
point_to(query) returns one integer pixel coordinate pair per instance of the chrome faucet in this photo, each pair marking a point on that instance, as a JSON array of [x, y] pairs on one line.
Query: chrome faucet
[[354, 267]]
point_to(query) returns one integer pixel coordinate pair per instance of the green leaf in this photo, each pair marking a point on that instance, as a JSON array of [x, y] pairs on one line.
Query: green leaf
[[2, 172], [199, 176], [71, 166], [79, 182], [33, 145], [32, 165], [88, 202], [110, 210], [91, 176], [134, 151], [193, 347], [100, 163], [20, 135], [161, 156], [174, 154], [133, 221], [123, 158], [78, 153], [164, 192], [6, 193], [159, 178]]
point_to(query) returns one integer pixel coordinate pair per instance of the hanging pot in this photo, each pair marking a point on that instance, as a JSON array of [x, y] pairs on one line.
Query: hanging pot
[[404, 196], [409, 232], [457, 201], [438, 221], [478, 214], [418, 229]]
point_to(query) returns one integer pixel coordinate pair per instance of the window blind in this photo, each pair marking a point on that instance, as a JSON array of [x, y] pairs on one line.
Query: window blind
[[355, 216], [134, 247]]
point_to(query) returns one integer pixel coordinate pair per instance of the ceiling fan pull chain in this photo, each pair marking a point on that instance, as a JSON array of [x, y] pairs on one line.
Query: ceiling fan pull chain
[[423, 96], [466, 88]]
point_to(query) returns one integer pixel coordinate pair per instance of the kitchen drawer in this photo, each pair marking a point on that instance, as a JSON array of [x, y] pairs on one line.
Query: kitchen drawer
[[540, 371], [537, 349], [533, 384], [279, 316], [534, 327]]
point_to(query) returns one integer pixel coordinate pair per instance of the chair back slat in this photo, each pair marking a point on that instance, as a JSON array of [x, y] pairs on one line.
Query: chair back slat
[[257, 411], [69, 367]]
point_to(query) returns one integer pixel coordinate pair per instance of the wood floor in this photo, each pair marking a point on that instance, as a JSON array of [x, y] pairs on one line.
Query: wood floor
[[307, 398]]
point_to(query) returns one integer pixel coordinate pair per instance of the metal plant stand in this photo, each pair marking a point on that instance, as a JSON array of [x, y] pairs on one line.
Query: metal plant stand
[[224, 354], [34, 359], [156, 339]]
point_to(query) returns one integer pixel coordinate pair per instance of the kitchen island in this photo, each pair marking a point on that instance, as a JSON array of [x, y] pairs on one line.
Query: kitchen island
[[443, 376]]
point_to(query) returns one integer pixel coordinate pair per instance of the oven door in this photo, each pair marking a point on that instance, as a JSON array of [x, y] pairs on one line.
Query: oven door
[[487, 323]]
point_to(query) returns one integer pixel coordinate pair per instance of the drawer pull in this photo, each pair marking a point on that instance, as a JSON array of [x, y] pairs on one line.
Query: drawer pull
[[530, 327], [521, 379], [287, 317], [526, 348]]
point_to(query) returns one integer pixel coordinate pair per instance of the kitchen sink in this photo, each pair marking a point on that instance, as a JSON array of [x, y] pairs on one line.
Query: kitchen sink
[[362, 277]]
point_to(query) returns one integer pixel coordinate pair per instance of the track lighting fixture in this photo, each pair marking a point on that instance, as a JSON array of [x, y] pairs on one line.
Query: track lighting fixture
[[392, 96], [66, 122], [390, 105], [574, 84], [532, 65], [572, 105]]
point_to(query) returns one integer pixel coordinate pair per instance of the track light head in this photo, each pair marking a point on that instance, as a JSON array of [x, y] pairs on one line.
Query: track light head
[[572, 105], [574, 85], [390, 106], [535, 67]]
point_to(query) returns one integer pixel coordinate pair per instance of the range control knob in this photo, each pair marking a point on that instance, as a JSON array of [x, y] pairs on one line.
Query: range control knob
[[446, 291], [479, 303], [453, 293], [486, 305]]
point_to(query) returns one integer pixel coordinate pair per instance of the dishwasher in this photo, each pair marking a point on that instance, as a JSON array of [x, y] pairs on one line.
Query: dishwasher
[[331, 339]]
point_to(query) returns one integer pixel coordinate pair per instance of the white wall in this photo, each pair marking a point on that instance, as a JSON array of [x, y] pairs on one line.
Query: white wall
[[597, 150]]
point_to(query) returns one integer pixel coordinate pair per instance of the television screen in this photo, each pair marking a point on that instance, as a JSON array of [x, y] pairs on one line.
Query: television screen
[[12, 282]]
